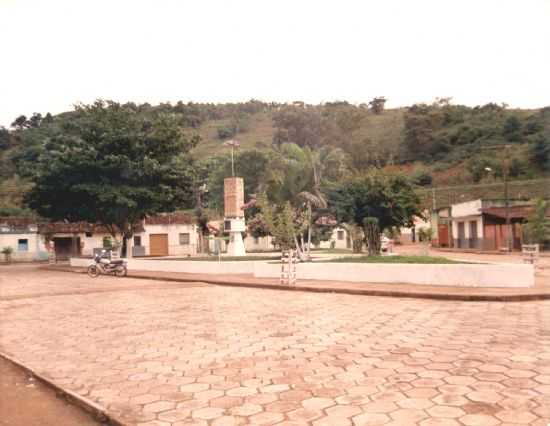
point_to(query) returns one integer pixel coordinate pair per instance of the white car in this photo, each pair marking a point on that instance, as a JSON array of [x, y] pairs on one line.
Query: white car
[[386, 244]]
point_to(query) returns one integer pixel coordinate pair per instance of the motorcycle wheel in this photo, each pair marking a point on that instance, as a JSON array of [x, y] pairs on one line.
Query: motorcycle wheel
[[121, 272], [93, 271]]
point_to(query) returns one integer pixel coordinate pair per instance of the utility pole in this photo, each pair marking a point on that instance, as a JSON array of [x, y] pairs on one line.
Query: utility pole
[[505, 172]]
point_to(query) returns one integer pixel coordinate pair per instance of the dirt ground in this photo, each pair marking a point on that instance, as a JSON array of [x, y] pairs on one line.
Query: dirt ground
[[27, 402]]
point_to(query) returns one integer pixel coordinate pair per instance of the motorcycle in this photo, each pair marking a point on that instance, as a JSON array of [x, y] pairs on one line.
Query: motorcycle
[[104, 265]]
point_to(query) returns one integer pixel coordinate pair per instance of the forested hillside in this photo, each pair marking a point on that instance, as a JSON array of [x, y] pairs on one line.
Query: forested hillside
[[436, 144]]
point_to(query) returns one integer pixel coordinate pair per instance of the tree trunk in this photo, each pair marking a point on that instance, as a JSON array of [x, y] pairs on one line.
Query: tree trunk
[[74, 248], [299, 249], [309, 233], [200, 239], [129, 241], [309, 242], [372, 235]]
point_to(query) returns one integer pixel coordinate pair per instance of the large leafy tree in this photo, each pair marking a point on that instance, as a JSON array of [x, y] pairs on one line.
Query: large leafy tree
[[5, 138], [111, 166], [388, 200], [540, 151], [537, 228]]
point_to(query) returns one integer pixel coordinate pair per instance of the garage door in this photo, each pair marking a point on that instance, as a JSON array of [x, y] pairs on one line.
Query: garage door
[[158, 244]]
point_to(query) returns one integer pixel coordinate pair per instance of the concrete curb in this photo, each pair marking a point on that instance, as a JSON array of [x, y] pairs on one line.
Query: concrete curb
[[98, 412], [417, 294]]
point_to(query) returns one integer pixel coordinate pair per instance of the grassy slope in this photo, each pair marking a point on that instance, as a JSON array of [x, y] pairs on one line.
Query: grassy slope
[[385, 129], [260, 134]]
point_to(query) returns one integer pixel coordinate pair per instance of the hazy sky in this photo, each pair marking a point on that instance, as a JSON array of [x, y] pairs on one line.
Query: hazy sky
[[59, 52]]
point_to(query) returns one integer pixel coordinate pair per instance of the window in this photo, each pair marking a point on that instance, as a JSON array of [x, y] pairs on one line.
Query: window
[[227, 225], [23, 245], [340, 235], [256, 240], [88, 234], [137, 240], [184, 239]]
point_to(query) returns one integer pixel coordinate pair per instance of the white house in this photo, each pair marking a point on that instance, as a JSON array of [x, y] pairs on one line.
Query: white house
[[169, 234], [173, 234], [338, 240], [21, 235]]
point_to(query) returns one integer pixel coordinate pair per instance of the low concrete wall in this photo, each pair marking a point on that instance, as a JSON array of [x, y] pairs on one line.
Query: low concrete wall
[[186, 266], [192, 267], [463, 275]]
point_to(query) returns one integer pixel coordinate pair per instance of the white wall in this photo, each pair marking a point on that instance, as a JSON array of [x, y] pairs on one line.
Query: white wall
[[467, 220], [263, 243], [339, 244], [90, 243], [464, 275], [36, 248], [469, 208], [192, 267], [183, 266]]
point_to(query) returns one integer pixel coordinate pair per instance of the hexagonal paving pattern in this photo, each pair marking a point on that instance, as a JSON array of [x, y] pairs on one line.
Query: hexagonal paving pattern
[[167, 354]]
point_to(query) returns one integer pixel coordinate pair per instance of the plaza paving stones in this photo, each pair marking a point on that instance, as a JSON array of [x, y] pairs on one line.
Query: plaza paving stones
[[167, 354]]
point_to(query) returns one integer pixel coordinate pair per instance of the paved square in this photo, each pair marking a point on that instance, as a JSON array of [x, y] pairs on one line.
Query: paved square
[[158, 353]]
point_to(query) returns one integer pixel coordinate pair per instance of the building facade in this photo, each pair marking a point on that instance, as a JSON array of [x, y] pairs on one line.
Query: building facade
[[21, 235], [173, 234], [481, 224]]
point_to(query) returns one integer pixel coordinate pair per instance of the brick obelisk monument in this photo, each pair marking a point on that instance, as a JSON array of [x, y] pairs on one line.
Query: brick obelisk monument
[[234, 224]]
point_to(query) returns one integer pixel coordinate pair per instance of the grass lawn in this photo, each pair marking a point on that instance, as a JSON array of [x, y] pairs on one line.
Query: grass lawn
[[331, 251], [394, 259]]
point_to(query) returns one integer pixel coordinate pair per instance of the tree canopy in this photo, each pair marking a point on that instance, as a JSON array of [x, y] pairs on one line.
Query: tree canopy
[[440, 143], [110, 166], [390, 199]]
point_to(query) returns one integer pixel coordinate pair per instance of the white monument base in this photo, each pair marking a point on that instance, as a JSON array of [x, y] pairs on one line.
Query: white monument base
[[235, 227], [236, 245]]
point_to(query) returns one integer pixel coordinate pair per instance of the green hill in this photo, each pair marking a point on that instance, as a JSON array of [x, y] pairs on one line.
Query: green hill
[[440, 144]]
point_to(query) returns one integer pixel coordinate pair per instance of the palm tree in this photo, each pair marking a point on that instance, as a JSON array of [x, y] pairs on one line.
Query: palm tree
[[313, 197], [325, 161], [297, 176]]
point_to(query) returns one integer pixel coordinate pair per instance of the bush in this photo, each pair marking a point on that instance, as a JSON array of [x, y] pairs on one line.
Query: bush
[[107, 243], [15, 211], [226, 132], [425, 235], [7, 251], [537, 228], [422, 178]]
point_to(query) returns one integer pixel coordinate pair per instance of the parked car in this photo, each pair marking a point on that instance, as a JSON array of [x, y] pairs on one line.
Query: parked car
[[386, 244]]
